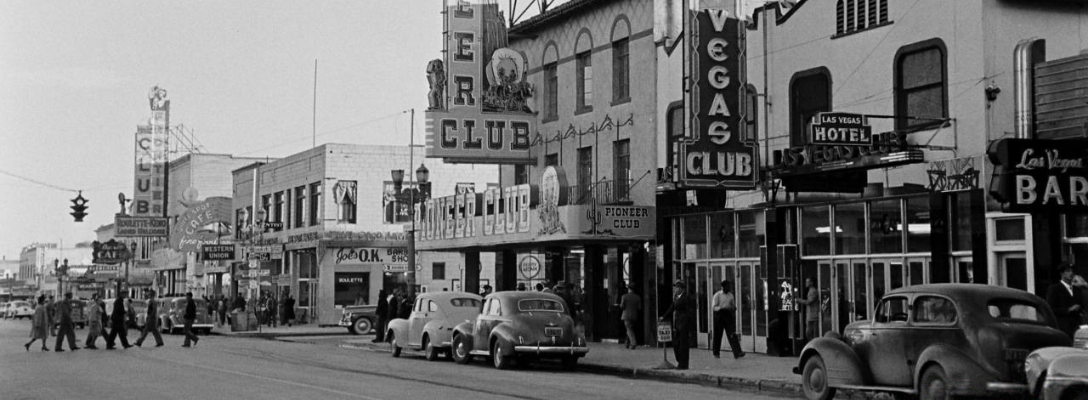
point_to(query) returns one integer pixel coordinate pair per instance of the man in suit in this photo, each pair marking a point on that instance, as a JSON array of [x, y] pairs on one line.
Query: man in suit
[[630, 303], [383, 317], [189, 316], [1065, 300], [151, 322], [67, 327], [682, 312], [117, 323]]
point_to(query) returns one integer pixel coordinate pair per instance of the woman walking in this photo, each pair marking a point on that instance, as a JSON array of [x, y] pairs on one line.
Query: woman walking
[[94, 323], [39, 328]]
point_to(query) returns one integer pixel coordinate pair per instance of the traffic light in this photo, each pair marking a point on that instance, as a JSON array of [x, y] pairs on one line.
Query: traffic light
[[79, 207]]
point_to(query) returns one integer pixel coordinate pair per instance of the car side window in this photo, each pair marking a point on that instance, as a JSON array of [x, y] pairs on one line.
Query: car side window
[[892, 309], [494, 308], [934, 310], [431, 307]]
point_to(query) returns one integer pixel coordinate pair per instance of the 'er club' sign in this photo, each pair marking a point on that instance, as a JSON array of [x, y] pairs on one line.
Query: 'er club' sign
[[716, 154]]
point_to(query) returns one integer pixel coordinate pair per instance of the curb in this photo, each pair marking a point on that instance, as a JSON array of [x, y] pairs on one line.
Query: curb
[[273, 335], [769, 386]]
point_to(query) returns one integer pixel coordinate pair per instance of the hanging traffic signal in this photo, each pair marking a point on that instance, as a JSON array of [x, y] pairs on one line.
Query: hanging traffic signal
[[79, 207]]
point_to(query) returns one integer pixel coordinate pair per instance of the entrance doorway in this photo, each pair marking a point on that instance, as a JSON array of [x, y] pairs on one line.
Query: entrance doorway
[[1012, 271]]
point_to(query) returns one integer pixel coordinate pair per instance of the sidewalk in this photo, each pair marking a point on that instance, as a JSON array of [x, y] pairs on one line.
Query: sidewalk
[[284, 331], [754, 372]]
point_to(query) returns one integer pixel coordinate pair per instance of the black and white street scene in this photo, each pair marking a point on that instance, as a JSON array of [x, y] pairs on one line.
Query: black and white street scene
[[544, 199]]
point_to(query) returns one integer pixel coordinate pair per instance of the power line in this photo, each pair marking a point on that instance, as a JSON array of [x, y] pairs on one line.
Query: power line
[[35, 181]]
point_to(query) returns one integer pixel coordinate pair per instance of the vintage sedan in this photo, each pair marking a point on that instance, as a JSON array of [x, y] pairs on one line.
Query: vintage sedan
[[359, 320], [20, 309], [934, 341], [430, 326], [172, 309], [1060, 373], [522, 325]]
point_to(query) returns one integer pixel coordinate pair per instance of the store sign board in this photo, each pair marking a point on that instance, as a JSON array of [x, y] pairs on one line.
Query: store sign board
[[888, 149], [717, 154], [197, 225], [214, 252], [128, 226], [1040, 175], [529, 267], [479, 109], [152, 142], [111, 252], [845, 129], [369, 255]]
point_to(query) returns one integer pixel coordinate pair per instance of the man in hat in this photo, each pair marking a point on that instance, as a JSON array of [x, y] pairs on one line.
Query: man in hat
[[682, 312], [65, 324], [1065, 300], [151, 321]]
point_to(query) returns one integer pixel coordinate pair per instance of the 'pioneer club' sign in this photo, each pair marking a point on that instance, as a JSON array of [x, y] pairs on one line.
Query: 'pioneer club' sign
[[716, 154], [1035, 175]]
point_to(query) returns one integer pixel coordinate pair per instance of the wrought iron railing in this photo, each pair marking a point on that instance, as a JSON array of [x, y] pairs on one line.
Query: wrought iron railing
[[601, 192]]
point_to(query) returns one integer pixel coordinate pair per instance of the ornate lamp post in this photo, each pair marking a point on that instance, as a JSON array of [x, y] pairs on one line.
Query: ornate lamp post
[[411, 196]]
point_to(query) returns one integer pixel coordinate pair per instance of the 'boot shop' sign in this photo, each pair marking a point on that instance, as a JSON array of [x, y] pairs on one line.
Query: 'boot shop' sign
[[1040, 175], [716, 154]]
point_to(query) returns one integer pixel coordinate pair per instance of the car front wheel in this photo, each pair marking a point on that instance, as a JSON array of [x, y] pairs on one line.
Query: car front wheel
[[934, 384], [460, 350], [361, 326], [814, 380], [499, 358], [393, 343]]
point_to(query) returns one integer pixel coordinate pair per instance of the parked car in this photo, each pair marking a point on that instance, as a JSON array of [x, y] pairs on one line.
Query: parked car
[[132, 322], [79, 315], [430, 326], [139, 306], [359, 319], [172, 311], [523, 325], [4, 309], [934, 341], [1060, 373], [20, 309]]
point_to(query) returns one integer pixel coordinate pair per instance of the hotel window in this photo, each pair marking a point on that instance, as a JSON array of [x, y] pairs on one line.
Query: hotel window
[[585, 81], [521, 174], [621, 71], [438, 271], [810, 93], [920, 86], [344, 193], [277, 208], [300, 209], [857, 15], [315, 203], [622, 169], [585, 174], [551, 92]]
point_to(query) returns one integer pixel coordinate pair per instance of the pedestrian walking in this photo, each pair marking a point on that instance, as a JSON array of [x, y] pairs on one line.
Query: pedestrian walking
[[724, 305], [65, 327], [51, 313], [117, 324], [151, 323], [630, 303], [289, 309], [222, 304], [273, 311], [682, 312], [812, 308], [189, 316], [39, 326], [94, 322], [383, 317], [1065, 300]]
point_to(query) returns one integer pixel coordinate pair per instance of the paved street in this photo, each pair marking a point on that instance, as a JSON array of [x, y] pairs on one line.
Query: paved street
[[248, 368]]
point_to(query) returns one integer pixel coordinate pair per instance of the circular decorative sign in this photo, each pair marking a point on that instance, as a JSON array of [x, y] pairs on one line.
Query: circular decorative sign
[[529, 267]]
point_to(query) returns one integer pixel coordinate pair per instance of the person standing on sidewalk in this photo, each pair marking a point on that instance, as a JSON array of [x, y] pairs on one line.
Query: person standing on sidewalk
[[725, 320], [189, 317], [682, 312], [117, 323], [289, 310], [151, 322], [94, 323], [630, 303], [39, 326], [812, 308], [383, 317], [66, 328]]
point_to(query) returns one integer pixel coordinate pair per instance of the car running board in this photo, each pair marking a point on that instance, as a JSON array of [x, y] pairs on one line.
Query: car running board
[[479, 353], [877, 388]]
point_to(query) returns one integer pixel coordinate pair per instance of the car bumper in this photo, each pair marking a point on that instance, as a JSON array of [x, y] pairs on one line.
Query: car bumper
[[580, 351], [1006, 388], [344, 323]]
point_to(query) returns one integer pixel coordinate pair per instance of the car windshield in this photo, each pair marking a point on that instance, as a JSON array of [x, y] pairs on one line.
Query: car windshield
[[539, 305], [465, 302], [1017, 311]]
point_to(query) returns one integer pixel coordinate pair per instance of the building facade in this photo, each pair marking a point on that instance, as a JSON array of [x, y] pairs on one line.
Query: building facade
[[37, 265], [328, 230]]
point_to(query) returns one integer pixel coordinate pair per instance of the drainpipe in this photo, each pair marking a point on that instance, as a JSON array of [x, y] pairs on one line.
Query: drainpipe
[[1027, 53]]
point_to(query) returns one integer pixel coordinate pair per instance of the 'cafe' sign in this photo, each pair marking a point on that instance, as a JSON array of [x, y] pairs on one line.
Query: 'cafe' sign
[[1036, 175]]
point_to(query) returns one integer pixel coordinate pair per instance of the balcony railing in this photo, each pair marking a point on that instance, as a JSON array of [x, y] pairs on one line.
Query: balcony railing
[[602, 192]]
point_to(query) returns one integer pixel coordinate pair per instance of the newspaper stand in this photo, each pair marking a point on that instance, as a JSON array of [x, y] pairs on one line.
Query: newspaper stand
[[664, 335]]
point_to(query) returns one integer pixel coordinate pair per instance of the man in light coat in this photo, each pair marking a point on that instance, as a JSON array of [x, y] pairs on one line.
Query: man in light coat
[[94, 322]]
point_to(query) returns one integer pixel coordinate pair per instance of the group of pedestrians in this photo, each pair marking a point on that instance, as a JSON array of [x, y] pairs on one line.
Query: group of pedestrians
[[395, 305], [60, 314], [683, 311]]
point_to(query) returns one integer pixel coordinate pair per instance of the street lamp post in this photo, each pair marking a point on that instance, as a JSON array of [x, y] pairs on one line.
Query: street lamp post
[[409, 196]]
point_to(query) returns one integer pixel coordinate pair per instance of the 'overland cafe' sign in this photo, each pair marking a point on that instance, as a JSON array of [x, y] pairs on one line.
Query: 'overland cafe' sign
[[717, 155], [196, 226], [1035, 175], [149, 198], [479, 110]]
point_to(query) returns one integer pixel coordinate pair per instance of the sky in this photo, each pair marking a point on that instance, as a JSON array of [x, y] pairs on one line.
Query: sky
[[74, 78]]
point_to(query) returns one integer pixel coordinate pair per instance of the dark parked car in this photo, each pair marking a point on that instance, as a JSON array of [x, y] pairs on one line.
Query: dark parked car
[[359, 319], [522, 325], [1060, 373], [934, 341]]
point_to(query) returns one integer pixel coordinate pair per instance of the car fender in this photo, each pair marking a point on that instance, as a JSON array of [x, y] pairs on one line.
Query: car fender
[[844, 367], [507, 333], [438, 332], [1067, 371], [1037, 364], [966, 376], [465, 330], [399, 329]]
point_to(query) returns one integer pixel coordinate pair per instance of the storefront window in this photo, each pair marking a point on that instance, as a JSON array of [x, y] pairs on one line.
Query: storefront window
[[815, 231], [352, 289], [694, 237], [850, 228], [722, 236], [961, 220], [886, 226], [1009, 229], [1076, 226], [918, 224], [752, 231]]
